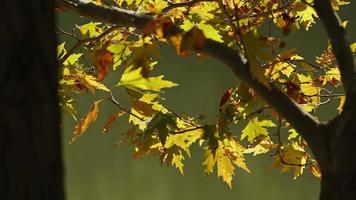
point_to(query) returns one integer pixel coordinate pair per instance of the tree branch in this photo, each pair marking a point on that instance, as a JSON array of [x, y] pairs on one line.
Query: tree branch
[[303, 122], [340, 45]]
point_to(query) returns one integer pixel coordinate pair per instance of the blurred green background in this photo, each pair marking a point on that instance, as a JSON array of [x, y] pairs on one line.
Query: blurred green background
[[97, 170]]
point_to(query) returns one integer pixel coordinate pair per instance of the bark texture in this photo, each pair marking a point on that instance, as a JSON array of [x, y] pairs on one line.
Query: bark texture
[[30, 141]]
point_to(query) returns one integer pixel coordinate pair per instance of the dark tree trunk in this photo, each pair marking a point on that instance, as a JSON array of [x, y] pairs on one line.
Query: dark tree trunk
[[30, 141], [339, 177]]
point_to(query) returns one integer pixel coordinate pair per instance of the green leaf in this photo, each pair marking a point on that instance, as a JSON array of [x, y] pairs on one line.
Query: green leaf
[[255, 128]]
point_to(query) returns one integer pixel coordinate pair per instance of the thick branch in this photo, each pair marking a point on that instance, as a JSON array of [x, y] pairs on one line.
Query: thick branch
[[340, 45], [120, 17], [302, 121]]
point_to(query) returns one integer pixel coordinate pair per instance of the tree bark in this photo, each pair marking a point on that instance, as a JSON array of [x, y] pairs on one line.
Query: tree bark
[[30, 140], [339, 176]]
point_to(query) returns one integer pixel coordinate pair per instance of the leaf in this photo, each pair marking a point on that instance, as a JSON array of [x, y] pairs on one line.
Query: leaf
[[255, 53], [83, 125], [292, 156], [228, 154], [184, 140], [72, 59], [353, 47], [306, 15], [210, 32], [60, 50], [209, 161], [341, 104], [90, 29], [133, 79], [315, 170], [103, 59], [224, 164], [173, 156], [255, 128], [194, 39], [261, 144], [161, 123], [111, 120], [332, 76], [88, 81]]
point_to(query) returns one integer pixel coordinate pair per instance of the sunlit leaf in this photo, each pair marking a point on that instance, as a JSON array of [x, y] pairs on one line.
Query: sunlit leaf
[[83, 125]]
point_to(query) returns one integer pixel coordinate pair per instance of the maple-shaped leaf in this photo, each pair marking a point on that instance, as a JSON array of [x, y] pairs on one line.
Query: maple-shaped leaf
[[161, 124], [83, 125], [261, 144], [144, 108], [121, 52], [228, 155], [111, 120], [147, 146], [90, 29], [210, 32], [184, 140], [173, 156], [291, 156], [305, 14], [254, 49], [332, 76], [224, 165], [133, 79], [255, 128], [209, 161]]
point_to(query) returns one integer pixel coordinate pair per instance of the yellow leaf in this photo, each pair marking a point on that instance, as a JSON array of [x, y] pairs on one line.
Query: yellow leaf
[[89, 81], [173, 156], [225, 166], [292, 156], [261, 146], [315, 170], [210, 32], [353, 47], [133, 79], [90, 29], [306, 15], [255, 128], [184, 140], [83, 125], [72, 59], [228, 154], [341, 104], [332, 76], [209, 161]]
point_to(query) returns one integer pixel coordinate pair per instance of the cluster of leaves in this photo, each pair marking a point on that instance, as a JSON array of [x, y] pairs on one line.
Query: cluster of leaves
[[159, 131]]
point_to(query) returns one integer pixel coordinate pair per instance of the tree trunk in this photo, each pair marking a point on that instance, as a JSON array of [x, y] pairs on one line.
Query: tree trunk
[[339, 178], [30, 140]]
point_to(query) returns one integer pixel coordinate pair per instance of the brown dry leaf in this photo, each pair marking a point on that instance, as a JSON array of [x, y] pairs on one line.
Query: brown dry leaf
[[111, 120], [103, 59], [83, 125]]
